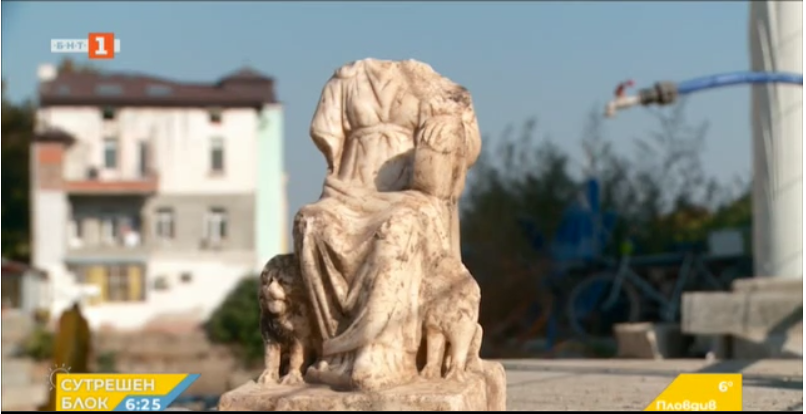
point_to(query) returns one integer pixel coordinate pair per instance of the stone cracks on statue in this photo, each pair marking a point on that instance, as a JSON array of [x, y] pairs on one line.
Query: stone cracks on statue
[[375, 295]]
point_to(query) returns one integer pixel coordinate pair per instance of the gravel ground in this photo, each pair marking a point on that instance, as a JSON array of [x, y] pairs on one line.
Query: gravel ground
[[609, 385], [631, 385]]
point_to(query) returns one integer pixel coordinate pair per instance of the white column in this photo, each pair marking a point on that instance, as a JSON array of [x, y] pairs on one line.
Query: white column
[[776, 44]]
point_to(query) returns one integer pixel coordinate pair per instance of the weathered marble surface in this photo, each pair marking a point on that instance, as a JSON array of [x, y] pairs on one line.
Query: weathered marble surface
[[375, 299], [481, 392]]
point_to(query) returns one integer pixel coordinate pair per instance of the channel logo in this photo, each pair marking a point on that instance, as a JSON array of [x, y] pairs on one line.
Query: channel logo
[[96, 46]]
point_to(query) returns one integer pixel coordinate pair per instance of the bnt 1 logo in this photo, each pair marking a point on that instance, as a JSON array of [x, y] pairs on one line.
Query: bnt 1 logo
[[102, 45], [96, 46]]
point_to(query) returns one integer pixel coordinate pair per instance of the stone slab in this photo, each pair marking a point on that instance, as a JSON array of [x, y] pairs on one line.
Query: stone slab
[[630, 385], [649, 340], [706, 313], [759, 345], [482, 392], [725, 313], [768, 284]]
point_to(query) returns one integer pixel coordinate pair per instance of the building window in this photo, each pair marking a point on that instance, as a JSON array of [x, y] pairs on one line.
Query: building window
[[108, 89], [217, 155], [216, 228], [113, 282], [165, 224], [108, 113], [117, 284], [161, 283], [120, 229], [110, 153], [158, 90], [75, 232], [215, 116], [110, 230], [129, 229], [143, 153]]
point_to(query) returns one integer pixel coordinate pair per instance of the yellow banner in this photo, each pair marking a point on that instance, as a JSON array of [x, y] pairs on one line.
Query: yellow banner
[[701, 392], [119, 392]]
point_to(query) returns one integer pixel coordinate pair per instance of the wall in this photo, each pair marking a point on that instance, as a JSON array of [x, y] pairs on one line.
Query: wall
[[270, 211], [189, 215], [213, 272], [180, 140], [35, 295], [49, 215], [212, 277]]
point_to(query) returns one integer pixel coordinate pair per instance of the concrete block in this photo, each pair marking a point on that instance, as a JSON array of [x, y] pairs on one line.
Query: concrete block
[[649, 340], [773, 312], [481, 392], [768, 284], [708, 313], [764, 345]]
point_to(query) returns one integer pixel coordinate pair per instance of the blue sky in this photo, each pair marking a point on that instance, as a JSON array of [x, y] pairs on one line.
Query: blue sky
[[553, 61]]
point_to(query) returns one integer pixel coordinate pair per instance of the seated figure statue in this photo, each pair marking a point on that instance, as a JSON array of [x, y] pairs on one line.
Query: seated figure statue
[[398, 139]]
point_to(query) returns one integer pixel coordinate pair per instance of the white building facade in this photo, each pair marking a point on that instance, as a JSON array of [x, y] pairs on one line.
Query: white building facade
[[147, 194]]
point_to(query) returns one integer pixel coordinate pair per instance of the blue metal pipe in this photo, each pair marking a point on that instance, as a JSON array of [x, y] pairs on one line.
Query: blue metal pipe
[[736, 78], [665, 93]]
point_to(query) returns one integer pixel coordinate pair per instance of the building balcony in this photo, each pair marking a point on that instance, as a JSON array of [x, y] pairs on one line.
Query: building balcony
[[128, 249], [104, 230], [94, 184]]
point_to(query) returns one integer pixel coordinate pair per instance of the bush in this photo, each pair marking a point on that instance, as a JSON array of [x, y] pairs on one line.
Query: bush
[[42, 316], [107, 363], [236, 321], [39, 345]]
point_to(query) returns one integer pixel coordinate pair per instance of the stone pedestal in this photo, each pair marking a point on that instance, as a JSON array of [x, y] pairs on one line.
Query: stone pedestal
[[485, 391], [646, 340], [761, 318]]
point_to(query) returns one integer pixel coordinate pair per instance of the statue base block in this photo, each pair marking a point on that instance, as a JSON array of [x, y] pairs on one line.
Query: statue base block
[[484, 391]]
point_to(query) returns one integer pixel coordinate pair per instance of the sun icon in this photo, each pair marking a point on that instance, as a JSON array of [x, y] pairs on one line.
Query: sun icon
[[56, 369]]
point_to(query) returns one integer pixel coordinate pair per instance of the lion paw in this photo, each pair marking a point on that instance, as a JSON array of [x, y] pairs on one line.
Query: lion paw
[[292, 378], [430, 372], [455, 374], [268, 377]]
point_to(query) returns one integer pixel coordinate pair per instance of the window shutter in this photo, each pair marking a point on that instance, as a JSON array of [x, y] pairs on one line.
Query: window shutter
[[135, 280], [96, 276]]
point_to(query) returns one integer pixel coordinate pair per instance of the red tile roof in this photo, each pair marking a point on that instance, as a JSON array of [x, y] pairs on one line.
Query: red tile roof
[[243, 88]]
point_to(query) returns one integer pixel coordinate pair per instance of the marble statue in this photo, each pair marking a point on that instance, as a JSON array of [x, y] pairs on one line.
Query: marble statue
[[398, 139], [450, 311], [284, 322], [376, 275]]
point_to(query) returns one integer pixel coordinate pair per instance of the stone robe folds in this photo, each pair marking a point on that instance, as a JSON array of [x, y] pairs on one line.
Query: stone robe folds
[[365, 245]]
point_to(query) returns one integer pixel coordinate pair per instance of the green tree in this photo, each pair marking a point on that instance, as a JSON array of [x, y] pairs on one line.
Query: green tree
[[18, 128], [236, 321]]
